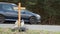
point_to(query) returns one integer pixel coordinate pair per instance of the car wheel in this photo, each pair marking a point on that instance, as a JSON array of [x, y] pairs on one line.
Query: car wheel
[[2, 19], [32, 20]]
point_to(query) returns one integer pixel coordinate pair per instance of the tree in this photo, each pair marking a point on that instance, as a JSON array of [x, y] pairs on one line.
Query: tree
[[48, 9]]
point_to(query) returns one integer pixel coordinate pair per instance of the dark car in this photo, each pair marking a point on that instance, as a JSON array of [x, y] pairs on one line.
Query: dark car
[[30, 17], [8, 13]]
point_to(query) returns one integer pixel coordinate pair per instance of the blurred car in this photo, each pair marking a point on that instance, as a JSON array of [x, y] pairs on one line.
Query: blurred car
[[8, 13], [30, 17]]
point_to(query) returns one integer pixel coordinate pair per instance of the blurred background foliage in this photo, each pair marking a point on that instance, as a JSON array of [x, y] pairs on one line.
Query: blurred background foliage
[[48, 9]]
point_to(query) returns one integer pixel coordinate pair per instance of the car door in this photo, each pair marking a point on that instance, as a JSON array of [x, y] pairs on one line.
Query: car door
[[25, 14], [9, 12]]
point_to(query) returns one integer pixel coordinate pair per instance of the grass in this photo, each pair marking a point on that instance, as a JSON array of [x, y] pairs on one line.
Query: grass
[[9, 31]]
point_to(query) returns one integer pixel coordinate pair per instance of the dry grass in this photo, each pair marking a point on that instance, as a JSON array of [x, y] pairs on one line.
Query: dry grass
[[9, 31]]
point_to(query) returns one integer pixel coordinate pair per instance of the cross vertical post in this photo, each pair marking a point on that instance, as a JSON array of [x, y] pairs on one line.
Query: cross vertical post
[[19, 14]]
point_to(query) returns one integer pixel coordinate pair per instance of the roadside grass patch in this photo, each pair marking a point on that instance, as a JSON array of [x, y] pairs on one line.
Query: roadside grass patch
[[9, 31]]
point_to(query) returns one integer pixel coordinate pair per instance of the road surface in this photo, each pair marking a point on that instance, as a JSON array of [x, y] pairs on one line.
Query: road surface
[[35, 27]]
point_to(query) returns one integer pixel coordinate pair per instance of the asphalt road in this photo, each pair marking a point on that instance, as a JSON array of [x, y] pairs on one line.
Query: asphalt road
[[35, 27]]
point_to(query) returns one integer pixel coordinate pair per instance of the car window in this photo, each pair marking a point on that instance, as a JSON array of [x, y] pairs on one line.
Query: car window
[[7, 7], [15, 7], [0, 6], [22, 12], [27, 12]]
